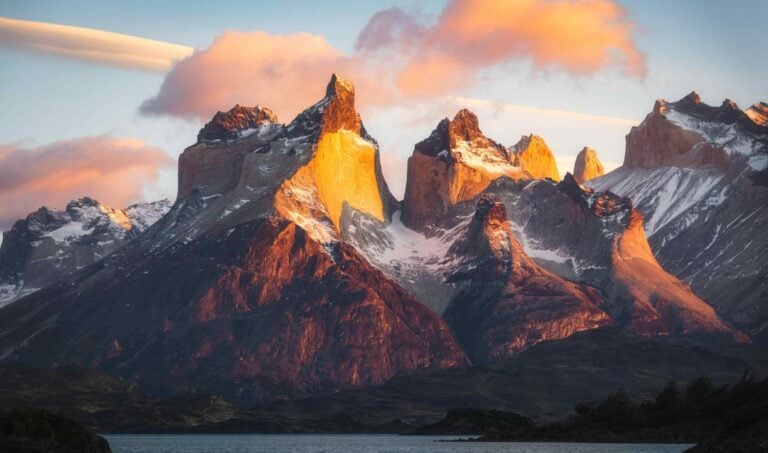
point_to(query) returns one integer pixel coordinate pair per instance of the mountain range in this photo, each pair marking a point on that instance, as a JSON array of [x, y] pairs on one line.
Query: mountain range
[[286, 269]]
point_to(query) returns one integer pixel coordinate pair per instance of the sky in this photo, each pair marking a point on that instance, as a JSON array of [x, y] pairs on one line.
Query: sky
[[104, 106]]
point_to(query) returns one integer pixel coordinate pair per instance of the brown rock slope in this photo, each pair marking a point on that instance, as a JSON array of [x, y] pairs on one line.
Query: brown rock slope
[[600, 240], [533, 155], [509, 303], [587, 166], [454, 164]]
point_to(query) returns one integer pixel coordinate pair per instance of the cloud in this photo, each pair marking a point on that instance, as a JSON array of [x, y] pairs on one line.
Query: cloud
[[282, 72], [112, 170], [400, 57], [92, 45], [540, 112], [578, 36]]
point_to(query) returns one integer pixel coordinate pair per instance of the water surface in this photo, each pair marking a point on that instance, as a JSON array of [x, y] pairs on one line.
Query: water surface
[[362, 443]]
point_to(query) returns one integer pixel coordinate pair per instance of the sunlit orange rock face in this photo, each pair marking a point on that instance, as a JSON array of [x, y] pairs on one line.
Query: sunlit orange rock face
[[758, 113], [533, 155], [456, 163], [509, 303], [225, 125], [587, 166], [660, 303], [344, 170]]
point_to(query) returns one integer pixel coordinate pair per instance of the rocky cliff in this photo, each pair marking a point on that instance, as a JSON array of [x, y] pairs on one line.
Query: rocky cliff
[[454, 164], [587, 166], [533, 155], [706, 218], [507, 302], [597, 238]]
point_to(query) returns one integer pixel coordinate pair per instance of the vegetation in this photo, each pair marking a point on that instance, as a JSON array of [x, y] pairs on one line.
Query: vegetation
[[719, 418]]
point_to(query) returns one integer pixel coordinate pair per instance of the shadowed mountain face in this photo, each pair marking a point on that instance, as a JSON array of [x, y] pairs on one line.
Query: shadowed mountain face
[[697, 174], [507, 302]]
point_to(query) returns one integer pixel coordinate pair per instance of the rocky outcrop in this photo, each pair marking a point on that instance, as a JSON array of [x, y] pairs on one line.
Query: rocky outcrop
[[689, 133], [51, 244], [232, 124], [587, 166], [261, 311], [343, 173], [454, 164], [705, 224], [598, 238], [758, 113], [508, 302], [533, 155]]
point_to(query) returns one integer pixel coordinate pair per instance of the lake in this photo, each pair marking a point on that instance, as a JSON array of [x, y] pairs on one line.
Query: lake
[[363, 443]]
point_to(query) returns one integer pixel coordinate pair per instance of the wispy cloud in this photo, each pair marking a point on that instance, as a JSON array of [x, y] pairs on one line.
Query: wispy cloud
[[541, 112], [91, 45]]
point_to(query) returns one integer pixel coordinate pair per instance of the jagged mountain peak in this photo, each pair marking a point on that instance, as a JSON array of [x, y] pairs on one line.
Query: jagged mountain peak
[[690, 133], [465, 126], [508, 302], [532, 154], [454, 164], [335, 112], [449, 134], [339, 86], [52, 243], [229, 125], [692, 98], [587, 165], [758, 113]]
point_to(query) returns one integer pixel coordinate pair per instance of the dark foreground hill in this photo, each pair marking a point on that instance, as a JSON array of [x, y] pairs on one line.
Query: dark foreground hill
[[544, 384], [726, 418]]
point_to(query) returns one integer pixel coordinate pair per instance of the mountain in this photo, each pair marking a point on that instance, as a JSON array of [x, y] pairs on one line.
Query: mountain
[[51, 244], [598, 238], [587, 166], [508, 303], [243, 288], [560, 232], [699, 174], [286, 269], [454, 164], [533, 155]]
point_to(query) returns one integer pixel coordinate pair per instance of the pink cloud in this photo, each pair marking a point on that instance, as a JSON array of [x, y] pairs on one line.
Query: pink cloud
[[397, 55], [282, 72], [111, 170], [578, 36]]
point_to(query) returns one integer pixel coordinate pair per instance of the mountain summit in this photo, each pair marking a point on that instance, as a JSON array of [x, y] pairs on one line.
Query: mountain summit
[[587, 166], [454, 164], [533, 155]]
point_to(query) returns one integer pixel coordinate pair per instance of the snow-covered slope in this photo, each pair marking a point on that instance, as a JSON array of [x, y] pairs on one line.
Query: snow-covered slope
[[50, 244], [706, 218]]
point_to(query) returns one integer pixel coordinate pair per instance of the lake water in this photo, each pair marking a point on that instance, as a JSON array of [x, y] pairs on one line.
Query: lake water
[[363, 443]]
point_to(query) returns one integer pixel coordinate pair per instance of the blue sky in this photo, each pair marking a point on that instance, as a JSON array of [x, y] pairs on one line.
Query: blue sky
[[714, 47]]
